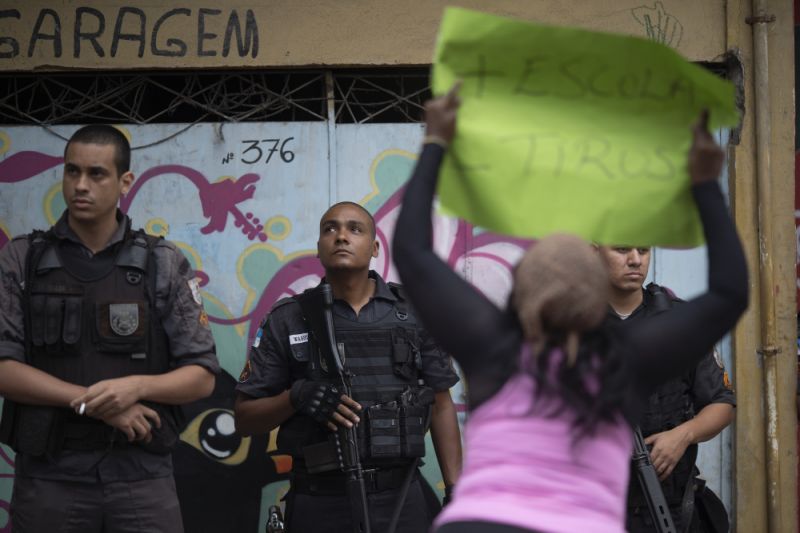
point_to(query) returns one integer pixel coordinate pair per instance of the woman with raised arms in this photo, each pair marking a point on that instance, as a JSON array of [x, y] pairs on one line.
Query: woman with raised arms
[[553, 390]]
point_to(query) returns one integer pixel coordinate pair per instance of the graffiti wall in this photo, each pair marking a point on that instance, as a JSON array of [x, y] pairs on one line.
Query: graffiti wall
[[243, 202]]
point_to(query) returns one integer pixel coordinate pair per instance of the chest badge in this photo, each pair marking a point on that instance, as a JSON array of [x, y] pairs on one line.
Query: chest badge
[[123, 318], [134, 277]]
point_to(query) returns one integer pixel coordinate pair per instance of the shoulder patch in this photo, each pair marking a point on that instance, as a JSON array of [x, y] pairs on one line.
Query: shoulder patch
[[718, 359], [259, 334], [726, 380], [246, 371], [194, 286]]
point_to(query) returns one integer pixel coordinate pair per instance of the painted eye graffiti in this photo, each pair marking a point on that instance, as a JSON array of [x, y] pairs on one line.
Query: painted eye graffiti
[[218, 435], [213, 433]]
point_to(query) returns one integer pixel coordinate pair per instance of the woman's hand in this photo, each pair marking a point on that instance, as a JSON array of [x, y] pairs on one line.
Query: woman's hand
[[440, 115], [705, 155]]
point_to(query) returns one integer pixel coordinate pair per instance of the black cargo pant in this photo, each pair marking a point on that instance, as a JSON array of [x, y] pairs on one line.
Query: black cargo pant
[[147, 506], [328, 513]]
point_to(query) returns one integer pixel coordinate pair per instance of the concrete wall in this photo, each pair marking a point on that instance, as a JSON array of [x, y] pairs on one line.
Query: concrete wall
[[249, 228], [382, 33], [119, 34]]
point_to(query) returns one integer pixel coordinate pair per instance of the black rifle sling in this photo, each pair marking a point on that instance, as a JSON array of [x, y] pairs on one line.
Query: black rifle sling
[[687, 503], [311, 305]]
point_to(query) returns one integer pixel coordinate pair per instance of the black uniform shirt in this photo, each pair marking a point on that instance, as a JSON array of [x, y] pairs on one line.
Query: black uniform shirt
[[182, 317], [280, 350], [706, 381]]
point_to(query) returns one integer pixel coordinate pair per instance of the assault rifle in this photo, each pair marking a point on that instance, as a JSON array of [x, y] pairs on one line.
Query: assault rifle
[[346, 439], [651, 487]]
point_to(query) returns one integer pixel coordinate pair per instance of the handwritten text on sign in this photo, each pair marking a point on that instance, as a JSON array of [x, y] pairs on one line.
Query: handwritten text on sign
[[562, 129], [90, 32]]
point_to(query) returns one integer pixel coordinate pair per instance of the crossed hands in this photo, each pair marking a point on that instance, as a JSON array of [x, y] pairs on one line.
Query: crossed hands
[[116, 402], [136, 422], [109, 397]]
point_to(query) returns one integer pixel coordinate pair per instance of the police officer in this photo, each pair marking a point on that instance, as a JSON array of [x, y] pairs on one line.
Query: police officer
[[395, 370], [681, 413], [102, 334]]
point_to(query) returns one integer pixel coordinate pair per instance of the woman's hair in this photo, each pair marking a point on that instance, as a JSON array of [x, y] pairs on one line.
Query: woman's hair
[[595, 388], [560, 298], [560, 286]]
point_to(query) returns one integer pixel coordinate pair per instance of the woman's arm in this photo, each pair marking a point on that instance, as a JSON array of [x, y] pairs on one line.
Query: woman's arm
[[670, 343], [461, 320]]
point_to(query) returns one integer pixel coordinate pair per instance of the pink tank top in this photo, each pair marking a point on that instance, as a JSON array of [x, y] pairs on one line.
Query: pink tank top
[[524, 469]]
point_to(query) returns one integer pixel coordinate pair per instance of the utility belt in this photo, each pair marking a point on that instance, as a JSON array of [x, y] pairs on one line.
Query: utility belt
[[89, 436], [42, 430], [391, 432], [334, 484]]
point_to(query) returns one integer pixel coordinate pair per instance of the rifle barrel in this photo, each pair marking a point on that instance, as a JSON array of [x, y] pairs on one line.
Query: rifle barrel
[[348, 439]]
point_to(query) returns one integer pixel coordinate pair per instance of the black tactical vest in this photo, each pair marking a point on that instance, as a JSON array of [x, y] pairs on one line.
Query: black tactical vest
[[85, 323], [85, 327], [668, 407], [385, 363]]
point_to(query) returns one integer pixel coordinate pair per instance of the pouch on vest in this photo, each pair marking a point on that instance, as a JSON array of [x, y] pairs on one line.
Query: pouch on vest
[[383, 432], [39, 430], [405, 353], [711, 511], [413, 423], [56, 323], [121, 327], [300, 352], [324, 456]]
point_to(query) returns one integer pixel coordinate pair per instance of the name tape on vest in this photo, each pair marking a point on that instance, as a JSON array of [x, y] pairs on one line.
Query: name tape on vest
[[300, 338]]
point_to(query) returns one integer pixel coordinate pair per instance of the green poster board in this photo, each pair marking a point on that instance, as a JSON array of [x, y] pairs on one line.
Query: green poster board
[[567, 130]]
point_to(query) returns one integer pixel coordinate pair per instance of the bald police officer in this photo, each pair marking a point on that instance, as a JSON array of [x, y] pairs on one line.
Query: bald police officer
[[398, 375], [102, 335]]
